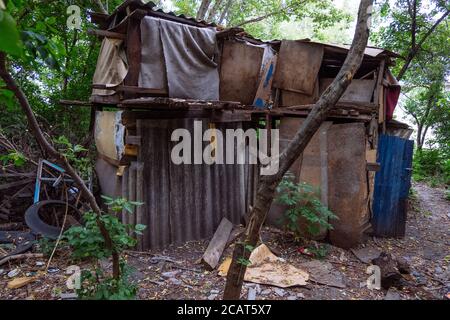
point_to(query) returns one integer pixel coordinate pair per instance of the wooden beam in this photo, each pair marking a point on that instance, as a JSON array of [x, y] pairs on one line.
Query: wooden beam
[[107, 34], [131, 89], [134, 140], [75, 103], [230, 116], [110, 100], [228, 33]]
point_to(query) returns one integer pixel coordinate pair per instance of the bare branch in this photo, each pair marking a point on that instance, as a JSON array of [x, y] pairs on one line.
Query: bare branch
[[418, 46], [101, 7]]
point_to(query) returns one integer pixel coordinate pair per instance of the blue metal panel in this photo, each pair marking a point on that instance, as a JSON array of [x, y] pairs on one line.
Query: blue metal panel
[[392, 185]]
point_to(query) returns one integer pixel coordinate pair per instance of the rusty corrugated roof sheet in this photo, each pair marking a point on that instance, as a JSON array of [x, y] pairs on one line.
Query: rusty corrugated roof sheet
[[151, 6]]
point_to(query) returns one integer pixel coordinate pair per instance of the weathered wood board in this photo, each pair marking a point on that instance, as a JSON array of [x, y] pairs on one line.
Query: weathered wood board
[[217, 244], [298, 66], [240, 72], [347, 183], [290, 98], [310, 167], [357, 91]]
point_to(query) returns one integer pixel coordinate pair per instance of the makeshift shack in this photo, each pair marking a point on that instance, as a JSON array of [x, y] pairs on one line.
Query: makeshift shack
[[163, 71]]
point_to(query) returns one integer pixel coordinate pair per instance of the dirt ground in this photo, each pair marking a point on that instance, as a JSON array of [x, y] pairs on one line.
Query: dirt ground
[[175, 273]]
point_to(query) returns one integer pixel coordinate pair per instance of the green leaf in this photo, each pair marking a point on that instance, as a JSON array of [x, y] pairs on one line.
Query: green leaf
[[9, 36], [140, 227]]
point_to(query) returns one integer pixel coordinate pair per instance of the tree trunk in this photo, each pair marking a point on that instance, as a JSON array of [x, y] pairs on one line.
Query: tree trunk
[[212, 12], [201, 13], [419, 137], [225, 11], [268, 184]]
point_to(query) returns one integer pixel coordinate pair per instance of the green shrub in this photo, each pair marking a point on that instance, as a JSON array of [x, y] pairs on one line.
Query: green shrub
[[303, 202], [96, 285], [87, 242], [431, 166]]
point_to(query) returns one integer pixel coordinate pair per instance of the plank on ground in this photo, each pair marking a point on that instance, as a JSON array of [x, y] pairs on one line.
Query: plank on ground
[[217, 244]]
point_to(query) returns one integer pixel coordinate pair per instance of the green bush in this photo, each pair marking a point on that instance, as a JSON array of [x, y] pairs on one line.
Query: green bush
[[431, 166], [87, 242], [303, 202]]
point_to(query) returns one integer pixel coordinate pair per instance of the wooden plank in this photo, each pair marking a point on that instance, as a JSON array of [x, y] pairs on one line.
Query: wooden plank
[[229, 116], [140, 212], [239, 71], [132, 89], [263, 95], [108, 34], [132, 194], [125, 195], [290, 98], [113, 99], [298, 66], [347, 184], [324, 162], [367, 108], [358, 90], [75, 103], [134, 140], [379, 93], [373, 166], [217, 244]]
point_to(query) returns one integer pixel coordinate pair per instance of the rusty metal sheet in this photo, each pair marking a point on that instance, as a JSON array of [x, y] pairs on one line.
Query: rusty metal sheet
[[348, 192], [240, 71], [298, 66], [187, 202]]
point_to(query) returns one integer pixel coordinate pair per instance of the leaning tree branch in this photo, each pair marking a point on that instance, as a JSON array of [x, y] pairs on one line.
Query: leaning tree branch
[[415, 49], [61, 159], [268, 184]]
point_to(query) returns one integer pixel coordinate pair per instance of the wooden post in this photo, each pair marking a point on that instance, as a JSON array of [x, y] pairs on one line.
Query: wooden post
[[132, 193], [125, 194], [140, 219]]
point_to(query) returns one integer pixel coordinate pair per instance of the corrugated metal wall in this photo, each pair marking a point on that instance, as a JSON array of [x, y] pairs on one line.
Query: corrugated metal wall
[[392, 185], [183, 202]]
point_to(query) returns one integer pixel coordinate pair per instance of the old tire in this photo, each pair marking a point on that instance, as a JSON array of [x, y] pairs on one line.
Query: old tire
[[35, 223]]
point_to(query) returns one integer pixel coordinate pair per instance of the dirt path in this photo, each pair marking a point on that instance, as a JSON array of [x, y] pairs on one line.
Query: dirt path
[[342, 276]]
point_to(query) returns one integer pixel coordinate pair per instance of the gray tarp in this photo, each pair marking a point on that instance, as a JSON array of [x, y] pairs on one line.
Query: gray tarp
[[180, 57]]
